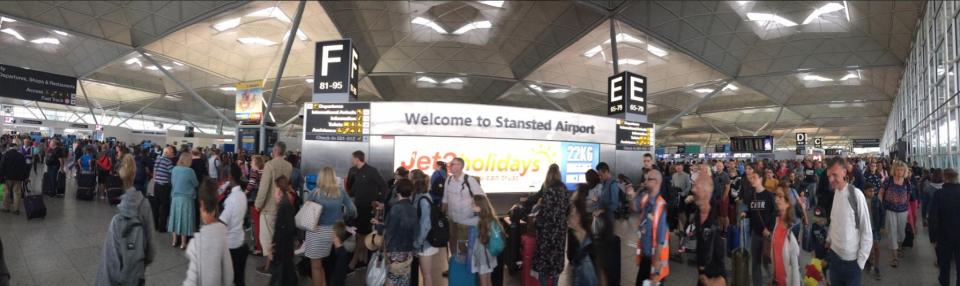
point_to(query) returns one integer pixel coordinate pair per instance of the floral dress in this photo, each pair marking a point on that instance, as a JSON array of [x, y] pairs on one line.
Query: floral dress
[[551, 231]]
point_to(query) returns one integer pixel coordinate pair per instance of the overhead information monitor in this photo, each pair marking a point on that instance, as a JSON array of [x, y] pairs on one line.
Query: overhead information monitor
[[336, 121], [634, 136]]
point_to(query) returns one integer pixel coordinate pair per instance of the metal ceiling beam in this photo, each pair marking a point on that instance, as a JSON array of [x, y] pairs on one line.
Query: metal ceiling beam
[[89, 104], [548, 100], [184, 86], [139, 111], [693, 106], [711, 125], [41, 110], [291, 120], [821, 69], [768, 122], [80, 117], [291, 37]]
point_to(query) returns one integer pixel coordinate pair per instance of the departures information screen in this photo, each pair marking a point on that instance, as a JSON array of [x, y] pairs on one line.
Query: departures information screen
[[634, 136], [347, 122]]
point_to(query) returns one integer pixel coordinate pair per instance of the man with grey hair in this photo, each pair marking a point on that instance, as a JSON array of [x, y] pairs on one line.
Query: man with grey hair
[[457, 202], [653, 244], [265, 203], [710, 247]]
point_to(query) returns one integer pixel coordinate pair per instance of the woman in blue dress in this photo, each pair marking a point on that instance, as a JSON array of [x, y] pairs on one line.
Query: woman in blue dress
[[182, 221]]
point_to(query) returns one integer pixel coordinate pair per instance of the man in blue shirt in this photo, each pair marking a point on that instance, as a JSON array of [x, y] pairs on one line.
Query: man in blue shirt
[[610, 195]]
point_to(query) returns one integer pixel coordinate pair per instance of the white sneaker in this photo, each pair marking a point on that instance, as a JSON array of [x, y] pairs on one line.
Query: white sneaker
[[300, 251]]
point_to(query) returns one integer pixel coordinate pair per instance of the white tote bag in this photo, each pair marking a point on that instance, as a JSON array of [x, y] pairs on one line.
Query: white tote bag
[[308, 216]]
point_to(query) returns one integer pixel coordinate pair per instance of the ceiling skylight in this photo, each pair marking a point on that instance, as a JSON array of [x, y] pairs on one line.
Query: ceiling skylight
[[498, 4], [428, 23], [850, 76], [13, 33], [625, 38], [703, 90], [310, 80], [536, 87], [731, 87], [816, 78], [153, 68], [558, 90], [426, 79], [474, 25], [300, 35], [61, 33], [593, 51], [632, 62], [453, 80], [228, 88], [227, 24], [52, 41], [770, 18], [134, 61], [256, 41], [5, 19], [656, 51], [825, 9], [272, 12]]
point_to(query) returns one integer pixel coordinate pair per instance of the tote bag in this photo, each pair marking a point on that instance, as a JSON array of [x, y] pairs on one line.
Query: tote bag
[[308, 216]]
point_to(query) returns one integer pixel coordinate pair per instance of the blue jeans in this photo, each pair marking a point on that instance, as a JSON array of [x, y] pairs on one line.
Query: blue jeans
[[842, 272], [812, 195]]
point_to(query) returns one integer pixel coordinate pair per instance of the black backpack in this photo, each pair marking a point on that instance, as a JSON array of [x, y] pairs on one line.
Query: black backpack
[[439, 233]]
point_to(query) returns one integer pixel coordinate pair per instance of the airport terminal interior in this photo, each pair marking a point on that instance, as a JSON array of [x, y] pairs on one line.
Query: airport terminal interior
[[524, 97]]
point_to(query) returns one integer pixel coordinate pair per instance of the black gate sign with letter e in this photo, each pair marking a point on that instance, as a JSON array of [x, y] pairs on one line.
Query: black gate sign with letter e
[[627, 93], [21, 83], [336, 68]]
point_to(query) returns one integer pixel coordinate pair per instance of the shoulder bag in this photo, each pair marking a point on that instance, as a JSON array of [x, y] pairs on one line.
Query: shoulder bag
[[309, 215]]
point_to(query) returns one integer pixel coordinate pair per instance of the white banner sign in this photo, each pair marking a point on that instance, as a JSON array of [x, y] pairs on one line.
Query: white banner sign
[[489, 121], [502, 166]]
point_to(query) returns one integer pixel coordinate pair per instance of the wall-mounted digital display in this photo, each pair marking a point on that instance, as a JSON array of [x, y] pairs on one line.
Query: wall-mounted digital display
[[634, 136], [751, 144], [501, 165], [336, 121]]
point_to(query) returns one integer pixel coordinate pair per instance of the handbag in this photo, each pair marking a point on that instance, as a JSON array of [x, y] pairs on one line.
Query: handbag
[[377, 270], [308, 216], [497, 242]]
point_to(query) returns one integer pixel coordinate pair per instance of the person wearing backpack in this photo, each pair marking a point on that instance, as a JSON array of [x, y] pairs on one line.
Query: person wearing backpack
[[850, 236], [427, 216], [130, 244], [337, 206], [457, 203]]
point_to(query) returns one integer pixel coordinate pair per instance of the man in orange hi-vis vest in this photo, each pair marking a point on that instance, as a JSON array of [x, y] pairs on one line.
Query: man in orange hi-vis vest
[[653, 243]]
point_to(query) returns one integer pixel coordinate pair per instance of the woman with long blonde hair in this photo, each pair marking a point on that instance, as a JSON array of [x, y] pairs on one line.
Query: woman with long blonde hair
[[484, 262], [336, 205]]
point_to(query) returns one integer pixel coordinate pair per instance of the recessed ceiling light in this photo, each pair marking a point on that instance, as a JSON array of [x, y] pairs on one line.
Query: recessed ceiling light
[[272, 12], [227, 24], [426, 79], [625, 38], [61, 33], [558, 90], [228, 88], [593, 51], [154, 68], [816, 78], [474, 25], [766, 17], [13, 33], [827, 8], [632, 62], [256, 41], [851, 76], [704, 90], [498, 4], [656, 51], [453, 80], [428, 23], [46, 41]]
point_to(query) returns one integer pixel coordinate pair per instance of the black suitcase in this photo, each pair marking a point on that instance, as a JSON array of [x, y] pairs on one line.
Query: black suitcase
[[33, 205], [114, 189], [49, 186], [61, 183], [86, 187]]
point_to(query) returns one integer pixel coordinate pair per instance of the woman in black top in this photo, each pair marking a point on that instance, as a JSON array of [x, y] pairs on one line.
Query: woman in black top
[[551, 227]]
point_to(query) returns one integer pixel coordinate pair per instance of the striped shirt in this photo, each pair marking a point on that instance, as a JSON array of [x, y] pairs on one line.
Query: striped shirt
[[161, 170]]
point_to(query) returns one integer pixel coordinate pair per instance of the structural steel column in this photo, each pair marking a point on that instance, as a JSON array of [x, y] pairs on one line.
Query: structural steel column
[[183, 86], [613, 44], [92, 114], [291, 37], [142, 108]]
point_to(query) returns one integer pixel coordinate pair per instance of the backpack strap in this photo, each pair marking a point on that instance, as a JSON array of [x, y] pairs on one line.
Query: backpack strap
[[466, 182], [854, 205]]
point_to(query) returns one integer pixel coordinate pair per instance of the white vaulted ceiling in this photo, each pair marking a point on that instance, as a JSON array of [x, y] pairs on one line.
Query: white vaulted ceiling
[[830, 68]]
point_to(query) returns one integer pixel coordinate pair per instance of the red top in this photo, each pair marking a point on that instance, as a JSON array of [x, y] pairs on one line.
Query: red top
[[779, 238]]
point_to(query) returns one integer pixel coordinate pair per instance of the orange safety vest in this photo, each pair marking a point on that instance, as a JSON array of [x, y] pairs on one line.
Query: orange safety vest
[[661, 252]]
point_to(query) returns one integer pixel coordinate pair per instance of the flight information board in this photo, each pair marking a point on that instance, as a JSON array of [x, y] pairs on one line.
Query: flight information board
[[336, 121], [634, 136], [751, 144]]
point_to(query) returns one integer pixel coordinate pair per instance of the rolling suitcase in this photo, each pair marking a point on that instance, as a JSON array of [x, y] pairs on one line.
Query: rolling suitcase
[[459, 273], [114, 189], [61, 183], [33, 205], [86, 187], [49, 186], [741, 261]]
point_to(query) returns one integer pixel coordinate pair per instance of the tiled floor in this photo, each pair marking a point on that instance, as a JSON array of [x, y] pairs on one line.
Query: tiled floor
[[65, 249]]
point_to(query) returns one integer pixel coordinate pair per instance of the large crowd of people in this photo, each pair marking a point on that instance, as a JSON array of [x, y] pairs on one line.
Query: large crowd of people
[[743, 222]]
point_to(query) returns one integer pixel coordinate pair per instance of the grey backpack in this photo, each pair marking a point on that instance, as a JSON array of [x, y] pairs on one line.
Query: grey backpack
[[133, 250]]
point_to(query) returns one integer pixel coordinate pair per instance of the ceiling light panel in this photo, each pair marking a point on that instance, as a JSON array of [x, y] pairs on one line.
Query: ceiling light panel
[[656, 51], [52, 41], [426, 79], [227, 24], [472, 26], [13, 33], [825, 9], [61, 33], [770, 18], [256, 41], [813, 77], [498, 4], [429, 23], [453, 80], [271, 12]]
